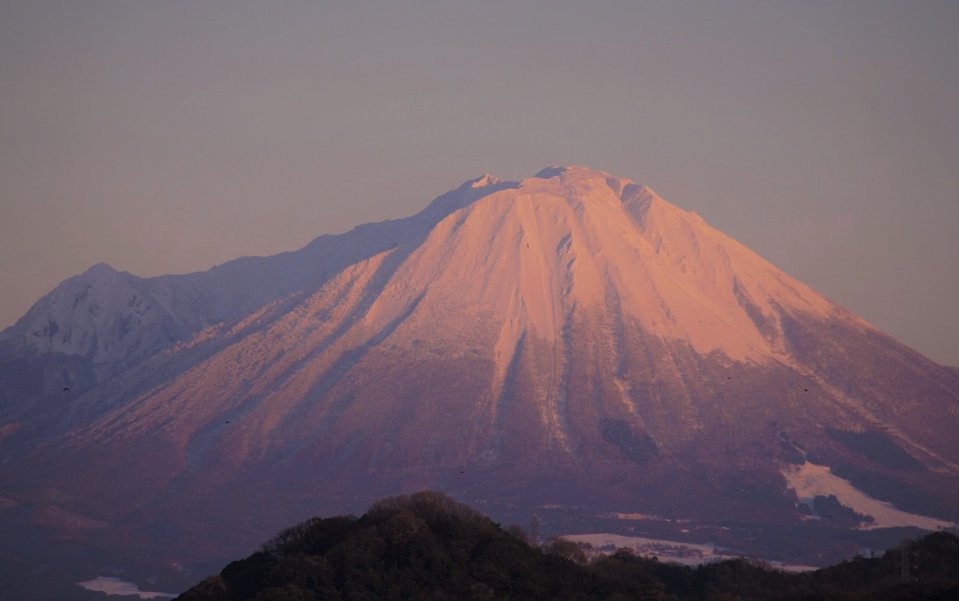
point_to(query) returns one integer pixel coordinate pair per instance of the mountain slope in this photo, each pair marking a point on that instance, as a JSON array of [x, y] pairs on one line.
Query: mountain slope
[[570, 281], [116, 319], [569, 341]]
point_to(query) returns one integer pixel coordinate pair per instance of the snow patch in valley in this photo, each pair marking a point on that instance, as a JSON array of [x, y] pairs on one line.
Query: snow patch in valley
[[642, 517], [689, 554], [810, 480], [115, 586]]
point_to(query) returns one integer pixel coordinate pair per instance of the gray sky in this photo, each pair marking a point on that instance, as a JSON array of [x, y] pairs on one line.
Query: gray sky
[[167, 137]]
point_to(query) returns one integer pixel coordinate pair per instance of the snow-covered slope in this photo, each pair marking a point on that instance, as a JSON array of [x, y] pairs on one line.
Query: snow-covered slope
[[108, 316], [570, 340], [117, 319], [582, 240]]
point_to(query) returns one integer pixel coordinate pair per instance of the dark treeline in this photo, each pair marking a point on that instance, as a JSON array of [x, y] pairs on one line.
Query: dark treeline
[[427, 546]]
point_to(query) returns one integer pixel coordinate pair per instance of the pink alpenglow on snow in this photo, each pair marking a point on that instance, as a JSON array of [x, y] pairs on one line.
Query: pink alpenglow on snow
[[567, 341]]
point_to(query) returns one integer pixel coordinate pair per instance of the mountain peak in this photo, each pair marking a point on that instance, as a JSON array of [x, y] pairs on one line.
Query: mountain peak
[[578, 171], [100, 269], [550, 172], [585, 178], [483, 181]]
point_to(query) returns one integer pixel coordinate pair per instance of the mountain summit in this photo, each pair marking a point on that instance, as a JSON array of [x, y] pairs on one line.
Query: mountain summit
[[570, 344]]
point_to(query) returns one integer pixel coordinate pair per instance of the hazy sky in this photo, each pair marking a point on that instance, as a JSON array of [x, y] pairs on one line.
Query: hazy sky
[[166, 137]]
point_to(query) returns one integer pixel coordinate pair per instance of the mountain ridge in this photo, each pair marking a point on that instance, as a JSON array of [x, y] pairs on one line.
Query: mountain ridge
[[210, 290]]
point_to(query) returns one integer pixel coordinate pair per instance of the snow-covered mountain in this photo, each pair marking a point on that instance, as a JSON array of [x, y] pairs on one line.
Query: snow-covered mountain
[[571, 343]]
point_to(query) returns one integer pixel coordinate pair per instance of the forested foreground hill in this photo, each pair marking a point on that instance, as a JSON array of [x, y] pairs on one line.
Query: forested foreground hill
[[427, 546]]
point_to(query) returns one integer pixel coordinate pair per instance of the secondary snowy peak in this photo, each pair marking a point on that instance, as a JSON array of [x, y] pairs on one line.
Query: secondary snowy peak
[[104, 315]]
